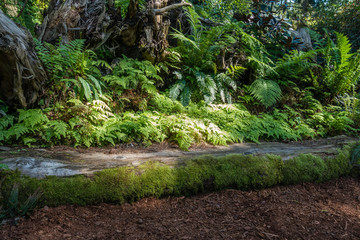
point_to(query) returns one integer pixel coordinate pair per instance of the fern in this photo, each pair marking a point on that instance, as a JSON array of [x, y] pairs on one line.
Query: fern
[[18, 130], [57, 129], [73, 65], [32, 118], [267, 92], [6, 121], [133, 74], [355, 156], [195, 57], [133, 81], [224, 83], [296, 61], [236, 71], [342, 69], [318, 40], [344, 48]]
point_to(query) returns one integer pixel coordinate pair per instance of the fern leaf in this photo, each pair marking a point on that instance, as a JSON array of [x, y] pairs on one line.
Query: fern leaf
[[355, 156], [32, 117], [59, 128], [185, 96], [344, 46], [176, 89], [181, 37], [267, 92], [102, 63], [85, 89], [18, 130]]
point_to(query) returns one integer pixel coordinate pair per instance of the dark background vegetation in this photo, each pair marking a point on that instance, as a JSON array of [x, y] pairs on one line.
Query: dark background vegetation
[[241, 70]]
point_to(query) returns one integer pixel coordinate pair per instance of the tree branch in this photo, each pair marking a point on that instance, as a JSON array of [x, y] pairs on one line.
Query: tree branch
[[163, 10], [23, 8], [209, 22]]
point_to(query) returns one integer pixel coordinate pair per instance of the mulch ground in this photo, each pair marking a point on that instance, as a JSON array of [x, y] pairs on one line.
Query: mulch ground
[[308, 211]]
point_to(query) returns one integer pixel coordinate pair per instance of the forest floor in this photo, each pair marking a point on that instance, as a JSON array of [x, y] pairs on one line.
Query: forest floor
[[328, 210]]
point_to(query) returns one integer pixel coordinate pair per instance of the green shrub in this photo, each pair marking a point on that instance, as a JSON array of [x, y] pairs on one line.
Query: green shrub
[[163, 104], [95, 124], [132, 81]]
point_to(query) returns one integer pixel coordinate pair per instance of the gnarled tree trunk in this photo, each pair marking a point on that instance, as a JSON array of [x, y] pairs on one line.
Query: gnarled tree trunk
[[140, 34], [21, 72]]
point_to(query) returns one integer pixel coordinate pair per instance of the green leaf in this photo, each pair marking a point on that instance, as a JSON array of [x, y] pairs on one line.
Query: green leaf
[[267, 92], [85, 89]]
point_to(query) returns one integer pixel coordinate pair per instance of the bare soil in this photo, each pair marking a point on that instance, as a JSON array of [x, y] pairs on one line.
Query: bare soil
[[307, 211]]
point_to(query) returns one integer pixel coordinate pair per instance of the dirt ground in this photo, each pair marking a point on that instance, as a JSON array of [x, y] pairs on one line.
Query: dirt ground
[[308, 211]]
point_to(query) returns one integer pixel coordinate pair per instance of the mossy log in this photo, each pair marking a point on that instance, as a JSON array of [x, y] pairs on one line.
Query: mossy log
[[22, 75]]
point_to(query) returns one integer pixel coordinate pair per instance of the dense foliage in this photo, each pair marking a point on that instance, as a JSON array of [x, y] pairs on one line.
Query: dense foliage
[[236, 71]]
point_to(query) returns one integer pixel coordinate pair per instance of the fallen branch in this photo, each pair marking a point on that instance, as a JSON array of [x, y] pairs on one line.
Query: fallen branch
[[166, 9], [209, 22]]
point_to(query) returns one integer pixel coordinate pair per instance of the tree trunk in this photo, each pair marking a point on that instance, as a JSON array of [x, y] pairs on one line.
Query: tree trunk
[[141, 34], [21, 73]]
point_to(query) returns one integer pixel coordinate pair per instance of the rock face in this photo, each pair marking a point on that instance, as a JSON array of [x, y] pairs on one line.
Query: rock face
[[22, 75]]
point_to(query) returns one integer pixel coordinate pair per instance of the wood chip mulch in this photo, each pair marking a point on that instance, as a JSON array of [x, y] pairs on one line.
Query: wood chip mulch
[[307, 211]]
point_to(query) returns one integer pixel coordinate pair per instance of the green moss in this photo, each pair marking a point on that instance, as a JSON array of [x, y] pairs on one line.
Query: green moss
[[202, 174], [75, 190], [304, 168], [310, 168], [340, 165]]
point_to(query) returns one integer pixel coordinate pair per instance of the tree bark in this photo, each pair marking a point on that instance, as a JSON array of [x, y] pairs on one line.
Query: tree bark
[[22, 75], [141, 34]]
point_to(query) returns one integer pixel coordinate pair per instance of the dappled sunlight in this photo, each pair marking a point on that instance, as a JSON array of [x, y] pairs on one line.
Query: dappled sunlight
[[116, 102], [351, 209]]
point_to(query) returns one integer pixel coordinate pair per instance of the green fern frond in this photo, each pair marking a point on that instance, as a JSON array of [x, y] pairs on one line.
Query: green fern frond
[[85, 89], [18, 130], [185, 96], [176, 89], [57, 129], [344, 47], [6, 121], [355, 156], [96, 84], [32, 117], [133, 74], [224, 83], [236, 71], [181, 37], [267, 92], [102, 63]]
